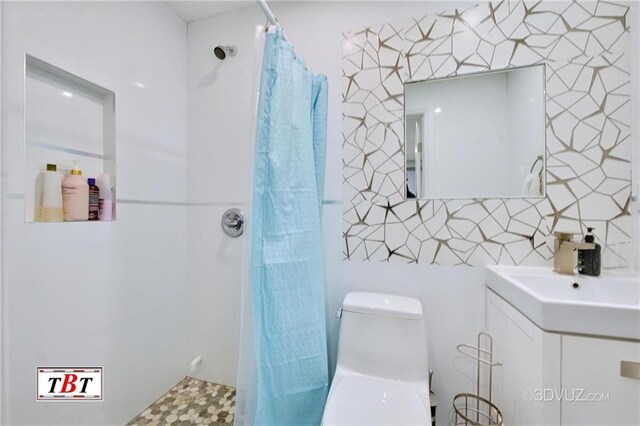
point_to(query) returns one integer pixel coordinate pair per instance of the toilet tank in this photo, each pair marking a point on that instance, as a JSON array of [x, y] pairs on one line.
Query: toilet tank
[[383, 335]]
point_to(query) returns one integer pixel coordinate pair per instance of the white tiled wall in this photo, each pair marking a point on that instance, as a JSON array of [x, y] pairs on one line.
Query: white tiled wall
[[220, 159], [110, 294]]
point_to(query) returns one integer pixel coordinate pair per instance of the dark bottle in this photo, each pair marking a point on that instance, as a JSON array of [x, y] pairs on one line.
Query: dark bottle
[[589, 261], [94, 200]]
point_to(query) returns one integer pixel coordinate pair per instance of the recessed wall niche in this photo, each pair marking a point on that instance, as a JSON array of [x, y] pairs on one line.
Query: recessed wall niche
[[67, 119]]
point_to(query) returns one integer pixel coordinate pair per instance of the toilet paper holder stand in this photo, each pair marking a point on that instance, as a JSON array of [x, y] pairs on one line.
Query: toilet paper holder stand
[[473, 408]]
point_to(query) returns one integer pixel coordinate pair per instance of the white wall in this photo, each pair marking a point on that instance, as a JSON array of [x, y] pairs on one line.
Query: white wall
[[109, 294], [220, 152], [220, 159]]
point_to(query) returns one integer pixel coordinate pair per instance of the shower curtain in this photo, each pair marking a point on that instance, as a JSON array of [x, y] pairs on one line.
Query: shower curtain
[[283, 377]]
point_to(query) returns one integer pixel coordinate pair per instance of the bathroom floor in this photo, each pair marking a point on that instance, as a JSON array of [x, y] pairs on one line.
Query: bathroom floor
[[191, 401]]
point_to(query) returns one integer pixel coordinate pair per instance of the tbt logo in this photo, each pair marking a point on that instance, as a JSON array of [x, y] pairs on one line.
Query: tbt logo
[[66, 384]]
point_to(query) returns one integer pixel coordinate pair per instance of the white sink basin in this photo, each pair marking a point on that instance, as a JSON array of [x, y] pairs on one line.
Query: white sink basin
[[604, 306]]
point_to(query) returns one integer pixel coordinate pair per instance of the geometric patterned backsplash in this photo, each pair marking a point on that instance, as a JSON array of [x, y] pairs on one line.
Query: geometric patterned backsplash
[[585, 49]]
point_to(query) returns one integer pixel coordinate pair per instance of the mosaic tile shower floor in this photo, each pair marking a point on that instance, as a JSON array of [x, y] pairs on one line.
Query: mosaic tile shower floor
[[191, 402]]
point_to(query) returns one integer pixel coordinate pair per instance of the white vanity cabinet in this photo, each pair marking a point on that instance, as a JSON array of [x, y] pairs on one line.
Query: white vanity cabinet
[[591, 371], [556, 378], [530, 360]]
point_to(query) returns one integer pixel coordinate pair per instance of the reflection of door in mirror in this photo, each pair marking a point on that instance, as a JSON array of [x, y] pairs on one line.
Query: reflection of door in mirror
[[414, 143], [421, 165]]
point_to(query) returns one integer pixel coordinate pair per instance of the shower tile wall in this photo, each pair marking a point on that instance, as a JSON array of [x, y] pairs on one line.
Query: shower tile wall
[[585, 46], [124, 278], [220, 160]]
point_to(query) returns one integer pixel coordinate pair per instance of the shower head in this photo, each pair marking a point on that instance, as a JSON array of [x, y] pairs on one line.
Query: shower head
[[222, 52]]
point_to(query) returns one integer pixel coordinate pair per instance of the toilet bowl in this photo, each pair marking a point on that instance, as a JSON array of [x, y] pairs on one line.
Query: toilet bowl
[[382, 373]]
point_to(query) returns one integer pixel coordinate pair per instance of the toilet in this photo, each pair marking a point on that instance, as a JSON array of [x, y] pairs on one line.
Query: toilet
[[382, 373]]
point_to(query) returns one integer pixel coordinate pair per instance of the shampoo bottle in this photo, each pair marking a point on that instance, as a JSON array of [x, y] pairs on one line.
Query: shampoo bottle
[[51, 204], [106, 197], [94, 200], [590, 261], [75, 196]]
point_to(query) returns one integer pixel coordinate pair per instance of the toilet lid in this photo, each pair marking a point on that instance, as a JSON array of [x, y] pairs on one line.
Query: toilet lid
[[363, 400]]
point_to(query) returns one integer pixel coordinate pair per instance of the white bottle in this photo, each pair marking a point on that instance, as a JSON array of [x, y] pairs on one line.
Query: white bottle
[[106, 197], [75, 196], [51, 204]]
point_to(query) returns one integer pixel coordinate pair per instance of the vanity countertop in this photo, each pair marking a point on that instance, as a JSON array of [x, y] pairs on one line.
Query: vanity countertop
[[603, 306]]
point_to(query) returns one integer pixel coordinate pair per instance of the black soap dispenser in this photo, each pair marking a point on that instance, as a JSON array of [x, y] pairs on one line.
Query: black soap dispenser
[[589, 260]]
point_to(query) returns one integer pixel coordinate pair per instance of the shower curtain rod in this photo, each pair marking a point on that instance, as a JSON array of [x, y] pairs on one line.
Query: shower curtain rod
[[270, 16]]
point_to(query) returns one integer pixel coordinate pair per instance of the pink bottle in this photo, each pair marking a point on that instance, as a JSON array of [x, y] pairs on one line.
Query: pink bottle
[[75, 196]]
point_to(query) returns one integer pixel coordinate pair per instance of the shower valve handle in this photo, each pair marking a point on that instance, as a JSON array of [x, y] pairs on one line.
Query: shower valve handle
[[232, 222]]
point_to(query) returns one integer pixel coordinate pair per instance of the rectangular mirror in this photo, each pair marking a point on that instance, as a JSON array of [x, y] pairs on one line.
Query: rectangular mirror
[[476, 136]]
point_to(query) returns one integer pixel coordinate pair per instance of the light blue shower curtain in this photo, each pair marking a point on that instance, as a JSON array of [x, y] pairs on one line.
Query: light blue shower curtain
[[286, 243]]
